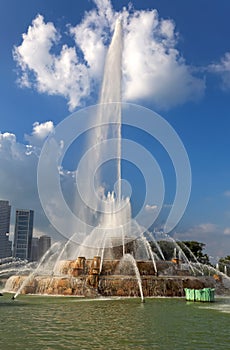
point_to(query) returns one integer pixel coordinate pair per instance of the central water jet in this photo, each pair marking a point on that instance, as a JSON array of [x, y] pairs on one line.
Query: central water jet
[[110, 212]]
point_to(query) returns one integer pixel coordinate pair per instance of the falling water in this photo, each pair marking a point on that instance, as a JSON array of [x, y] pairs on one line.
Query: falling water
[[57, 263], [154, 241], [129, 258], [52, 249], [225, 277], [149, 251], [174, 253], [193, 256], [182, 254], [147, 246]]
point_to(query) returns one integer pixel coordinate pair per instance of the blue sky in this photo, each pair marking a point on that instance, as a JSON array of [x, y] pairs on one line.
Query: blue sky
[[186, 80]]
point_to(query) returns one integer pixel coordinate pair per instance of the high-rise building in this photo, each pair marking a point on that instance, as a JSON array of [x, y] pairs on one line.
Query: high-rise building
[[40, 247], [23, 234], [5, 243], [35, 249], [5, 246], [5, 209], [44, 245]]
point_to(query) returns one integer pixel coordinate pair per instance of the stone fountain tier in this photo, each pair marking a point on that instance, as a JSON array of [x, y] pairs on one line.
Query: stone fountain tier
[[167, 286], [56, 285], [83, 266], [86, 277], [116, 285]]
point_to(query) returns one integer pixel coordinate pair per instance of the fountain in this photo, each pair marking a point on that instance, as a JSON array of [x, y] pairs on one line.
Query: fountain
[[116, 258]]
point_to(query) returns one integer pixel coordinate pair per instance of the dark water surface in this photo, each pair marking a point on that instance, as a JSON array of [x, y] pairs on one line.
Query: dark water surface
[[39, 322]]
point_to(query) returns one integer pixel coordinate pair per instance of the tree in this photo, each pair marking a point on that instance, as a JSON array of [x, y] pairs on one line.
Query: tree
[[166, 247], [196, 249], [225, 261], [224, 264], [192, 249]]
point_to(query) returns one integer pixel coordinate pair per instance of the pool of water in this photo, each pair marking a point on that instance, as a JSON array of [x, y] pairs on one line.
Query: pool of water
[[40, 322]]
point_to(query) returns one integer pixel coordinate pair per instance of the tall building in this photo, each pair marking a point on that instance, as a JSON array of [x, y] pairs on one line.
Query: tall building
[[35, 249], [5, 243], [23, 234], [40, 247], [5, 209], [44, 245], [5, 246]]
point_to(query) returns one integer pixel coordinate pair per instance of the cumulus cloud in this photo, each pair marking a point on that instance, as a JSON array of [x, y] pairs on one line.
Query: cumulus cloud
[[39, 134], [223, 70], [152, 66], [227, 231], [60, 74], [215, 238], [205, 228], [150, 207], [17, 172], [42, 130], [93, 34], [198, 232], [18, 175]]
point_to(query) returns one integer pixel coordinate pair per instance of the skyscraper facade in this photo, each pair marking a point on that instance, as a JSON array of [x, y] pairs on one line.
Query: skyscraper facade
[[44, 245], [5, 243], [5, 209], [23, 234], [40, 246], [35, 249]]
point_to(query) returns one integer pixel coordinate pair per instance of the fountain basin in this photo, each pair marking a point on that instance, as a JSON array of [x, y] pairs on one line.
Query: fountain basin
[[113, 285], [82, 277]]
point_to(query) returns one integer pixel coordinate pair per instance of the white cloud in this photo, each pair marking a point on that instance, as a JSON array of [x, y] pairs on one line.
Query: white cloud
[[223, 70], [39, 133], [17, 171], [150, 207], [227, 231], [42, 130], [90, 36], [18, 175], [215, 238], [153, 68], [37, 233], [206, 228], [61, 74], [198, 231]]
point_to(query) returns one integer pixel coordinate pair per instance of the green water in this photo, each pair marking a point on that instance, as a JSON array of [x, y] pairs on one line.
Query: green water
[[38, 322]]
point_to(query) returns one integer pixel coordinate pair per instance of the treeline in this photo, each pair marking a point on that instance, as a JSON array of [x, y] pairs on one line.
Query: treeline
[[193, 250]]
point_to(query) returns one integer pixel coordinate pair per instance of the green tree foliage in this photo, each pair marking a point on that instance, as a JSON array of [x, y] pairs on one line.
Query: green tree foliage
[[192, 249], [166, 247], [224, 264], [196, 249], [225, 260]]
